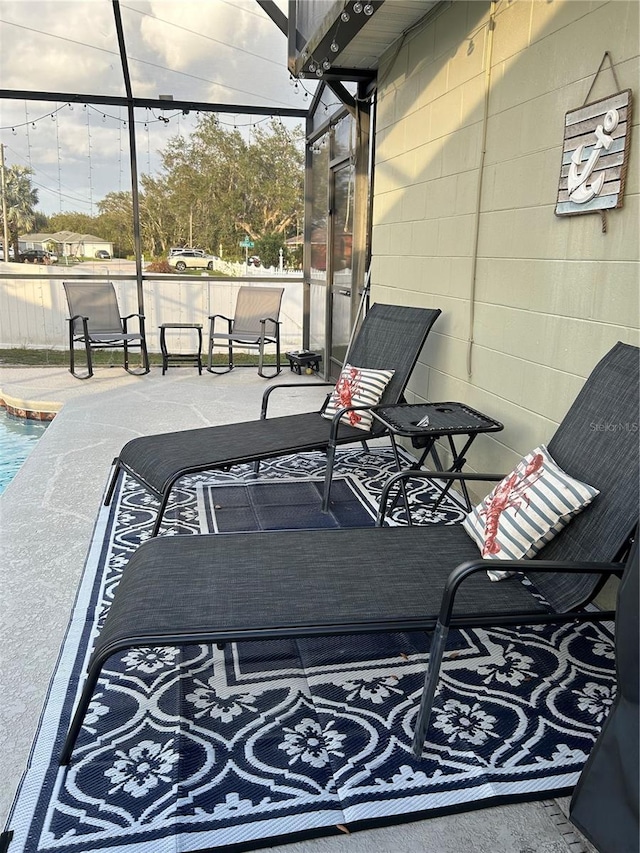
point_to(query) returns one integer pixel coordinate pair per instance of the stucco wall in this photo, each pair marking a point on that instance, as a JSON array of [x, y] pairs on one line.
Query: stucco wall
[[552, 294]]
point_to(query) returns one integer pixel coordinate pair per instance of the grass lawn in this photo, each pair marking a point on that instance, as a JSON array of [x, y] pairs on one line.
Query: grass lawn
[[20, 357]]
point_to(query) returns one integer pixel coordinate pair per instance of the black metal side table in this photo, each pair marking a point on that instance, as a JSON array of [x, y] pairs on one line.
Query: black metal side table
[[424, 424], [168, 358]]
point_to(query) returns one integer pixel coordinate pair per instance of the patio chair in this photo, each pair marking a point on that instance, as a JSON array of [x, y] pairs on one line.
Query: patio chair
[[390, 338], [605, 803], [254, 324], [182, 590], [95, 321]]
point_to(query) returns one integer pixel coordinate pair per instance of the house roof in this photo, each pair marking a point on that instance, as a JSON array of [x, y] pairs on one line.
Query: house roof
[[36, 238], [64, 237], [75, 237]]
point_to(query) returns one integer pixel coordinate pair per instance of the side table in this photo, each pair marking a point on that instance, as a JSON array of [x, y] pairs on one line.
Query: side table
[[424, 424], [194, 357]]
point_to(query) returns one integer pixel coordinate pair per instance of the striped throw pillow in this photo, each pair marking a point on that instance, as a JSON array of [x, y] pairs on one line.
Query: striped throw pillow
[[357, 386], [526, 510]]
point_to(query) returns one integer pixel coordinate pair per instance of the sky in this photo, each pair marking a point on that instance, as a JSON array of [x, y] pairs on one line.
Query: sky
[[221, 51]]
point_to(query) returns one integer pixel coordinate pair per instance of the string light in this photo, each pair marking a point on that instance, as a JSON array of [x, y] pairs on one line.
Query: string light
[[27, 124], [59, 153], [90, 162], [121, 124], [120, 128]]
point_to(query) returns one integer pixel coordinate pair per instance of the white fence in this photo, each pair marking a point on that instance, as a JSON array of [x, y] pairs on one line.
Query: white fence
[[33, 311]]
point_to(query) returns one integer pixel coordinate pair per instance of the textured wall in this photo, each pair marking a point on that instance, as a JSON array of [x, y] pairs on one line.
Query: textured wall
[[552, 294]]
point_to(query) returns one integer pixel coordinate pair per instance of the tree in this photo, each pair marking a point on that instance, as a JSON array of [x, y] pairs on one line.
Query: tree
[[273, 181], [268, 248], [216, 188], [115, 222], [21, 199]]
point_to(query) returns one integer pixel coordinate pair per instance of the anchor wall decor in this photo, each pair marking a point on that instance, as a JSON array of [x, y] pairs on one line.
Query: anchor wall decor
[[595, 153]]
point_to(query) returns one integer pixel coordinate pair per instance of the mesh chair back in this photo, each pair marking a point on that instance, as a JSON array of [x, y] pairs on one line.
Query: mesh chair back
[[391, 338], [254, 304], [597, 442], [98, 302]]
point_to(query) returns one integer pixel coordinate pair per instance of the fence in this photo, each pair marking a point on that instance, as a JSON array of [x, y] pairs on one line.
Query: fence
[[33, 310]]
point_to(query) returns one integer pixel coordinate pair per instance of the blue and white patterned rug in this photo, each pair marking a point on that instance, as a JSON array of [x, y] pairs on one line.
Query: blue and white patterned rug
[[206, 748]]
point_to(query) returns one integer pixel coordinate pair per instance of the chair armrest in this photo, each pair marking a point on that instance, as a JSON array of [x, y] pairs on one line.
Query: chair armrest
[[212, 332], [465, 570], [129, 317], [335, 421], [400, 476], [85, 324], [267, 393]]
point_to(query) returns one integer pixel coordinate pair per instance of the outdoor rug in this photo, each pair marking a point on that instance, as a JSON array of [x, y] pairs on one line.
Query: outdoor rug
[[282, 505], [235, 748]]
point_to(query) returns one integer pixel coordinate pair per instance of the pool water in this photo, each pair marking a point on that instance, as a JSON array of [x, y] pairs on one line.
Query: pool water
[[18, 437]]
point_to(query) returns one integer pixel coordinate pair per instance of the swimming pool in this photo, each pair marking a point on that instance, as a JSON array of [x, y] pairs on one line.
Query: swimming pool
[[17, 439]]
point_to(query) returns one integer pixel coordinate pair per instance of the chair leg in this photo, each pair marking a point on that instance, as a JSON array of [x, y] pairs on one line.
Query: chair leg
[[87, 347], [261, 361], [328, 475], [72, 360], [163, 505], [112, 483], [145, 360], [145, 356], [429, 691], [78, 718], [261, 358], [210, 360]]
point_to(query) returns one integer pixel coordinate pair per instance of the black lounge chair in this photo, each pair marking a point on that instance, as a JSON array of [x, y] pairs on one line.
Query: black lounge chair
[[390, 338], [606, 800], [254, 324], [216, 589], [95, 321]]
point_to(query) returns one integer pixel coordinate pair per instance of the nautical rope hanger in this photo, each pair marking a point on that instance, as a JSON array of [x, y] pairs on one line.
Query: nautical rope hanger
[[607, 55]]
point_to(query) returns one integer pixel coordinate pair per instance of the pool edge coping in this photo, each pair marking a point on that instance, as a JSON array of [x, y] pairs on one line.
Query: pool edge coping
[[35, 410]]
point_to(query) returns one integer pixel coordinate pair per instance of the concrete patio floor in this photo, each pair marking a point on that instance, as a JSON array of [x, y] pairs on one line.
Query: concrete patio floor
[[46, 521]]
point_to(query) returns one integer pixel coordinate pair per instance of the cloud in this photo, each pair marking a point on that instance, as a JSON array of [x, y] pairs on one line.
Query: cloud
[[215, 51]]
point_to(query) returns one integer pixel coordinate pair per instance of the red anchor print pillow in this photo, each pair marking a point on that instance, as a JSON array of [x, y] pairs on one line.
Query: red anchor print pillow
[[357, 386], [526, 510]]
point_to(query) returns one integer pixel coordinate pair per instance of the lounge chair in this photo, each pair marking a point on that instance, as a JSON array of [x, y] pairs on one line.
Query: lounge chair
[[606, 800], [215, 589], [390, 338], [95, 321], [254, 324]]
